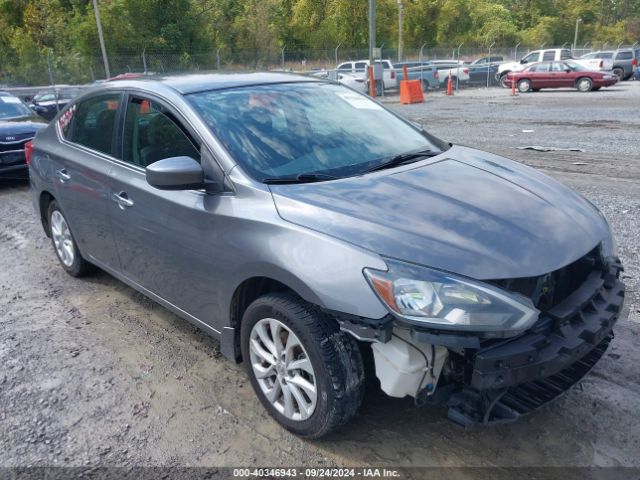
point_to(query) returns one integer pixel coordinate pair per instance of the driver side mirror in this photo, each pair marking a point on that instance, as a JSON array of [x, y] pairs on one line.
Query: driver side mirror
[[178, 173], [567, 70], [523, 61]]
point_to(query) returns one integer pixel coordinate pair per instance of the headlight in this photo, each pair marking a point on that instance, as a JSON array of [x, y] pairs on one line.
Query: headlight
[[432, 298]]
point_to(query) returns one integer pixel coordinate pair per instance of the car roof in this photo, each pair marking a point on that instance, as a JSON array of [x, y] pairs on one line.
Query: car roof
[[201, 82]]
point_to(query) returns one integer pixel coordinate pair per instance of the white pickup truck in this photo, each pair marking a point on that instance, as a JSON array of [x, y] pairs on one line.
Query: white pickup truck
[[358, 69], [590, 61]]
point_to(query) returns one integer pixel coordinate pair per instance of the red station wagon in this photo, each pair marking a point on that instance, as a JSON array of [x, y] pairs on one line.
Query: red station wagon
[[558, 75]]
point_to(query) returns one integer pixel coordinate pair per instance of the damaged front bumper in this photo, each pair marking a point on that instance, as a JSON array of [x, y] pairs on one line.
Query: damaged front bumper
[[507, 379], [497, 381]]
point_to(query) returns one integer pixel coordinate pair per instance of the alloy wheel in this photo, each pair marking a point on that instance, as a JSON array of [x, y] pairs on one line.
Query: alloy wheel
[[62, 239], [283, 369]]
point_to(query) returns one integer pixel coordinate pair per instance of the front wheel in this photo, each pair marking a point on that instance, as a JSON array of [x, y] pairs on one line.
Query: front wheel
[[524, 85], [584, 84], [306, 372], [504, 81]]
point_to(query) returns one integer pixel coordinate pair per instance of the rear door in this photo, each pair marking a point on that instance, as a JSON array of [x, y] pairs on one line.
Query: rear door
[[540, 75], [166, 239], [82, 164]]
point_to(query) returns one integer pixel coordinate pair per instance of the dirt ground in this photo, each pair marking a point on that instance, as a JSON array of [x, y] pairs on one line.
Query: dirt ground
[[94, 373]]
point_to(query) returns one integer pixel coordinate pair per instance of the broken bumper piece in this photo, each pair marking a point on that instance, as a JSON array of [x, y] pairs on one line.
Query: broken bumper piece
[[511, 378]]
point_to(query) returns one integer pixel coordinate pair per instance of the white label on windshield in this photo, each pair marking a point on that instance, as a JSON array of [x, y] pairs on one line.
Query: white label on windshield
[[358, 101], [10, 99]]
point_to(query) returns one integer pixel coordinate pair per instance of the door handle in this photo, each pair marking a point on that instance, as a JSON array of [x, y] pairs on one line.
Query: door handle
[[62, 175], [122, 200]]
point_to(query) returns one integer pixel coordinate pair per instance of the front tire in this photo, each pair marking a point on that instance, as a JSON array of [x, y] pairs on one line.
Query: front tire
[[306, 372], [584, 84], [64, 244], [504, 83]]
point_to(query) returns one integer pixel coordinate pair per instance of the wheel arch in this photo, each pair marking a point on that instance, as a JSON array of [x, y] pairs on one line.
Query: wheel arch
[[245, 293], [44, 200]]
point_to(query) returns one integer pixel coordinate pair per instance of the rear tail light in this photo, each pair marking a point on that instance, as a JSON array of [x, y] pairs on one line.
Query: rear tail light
[[601, 63], [634, 62], [28, 149]]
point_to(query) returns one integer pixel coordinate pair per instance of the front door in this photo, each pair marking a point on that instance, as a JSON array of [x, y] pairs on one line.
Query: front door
[[166, 239], [82, 163], [562, 77]]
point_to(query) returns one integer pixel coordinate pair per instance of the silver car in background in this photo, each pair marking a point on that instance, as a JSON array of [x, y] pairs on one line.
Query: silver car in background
[[313, 231]]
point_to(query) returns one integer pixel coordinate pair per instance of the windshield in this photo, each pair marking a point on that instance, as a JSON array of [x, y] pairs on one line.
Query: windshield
[[12, 107], [284, 130]]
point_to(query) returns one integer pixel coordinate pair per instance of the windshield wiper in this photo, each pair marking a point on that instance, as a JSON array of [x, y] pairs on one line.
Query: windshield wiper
[[300, 178], [402, 158]]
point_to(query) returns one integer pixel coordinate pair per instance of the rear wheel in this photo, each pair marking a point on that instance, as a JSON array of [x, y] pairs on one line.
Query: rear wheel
[[619, 72], [584, 84], [306, 372], [64, 244], [524, 85]]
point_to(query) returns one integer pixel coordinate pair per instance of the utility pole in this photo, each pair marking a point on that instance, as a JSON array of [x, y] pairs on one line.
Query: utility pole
[[372, 29], [101, 37], [575, 36], [400, 24]]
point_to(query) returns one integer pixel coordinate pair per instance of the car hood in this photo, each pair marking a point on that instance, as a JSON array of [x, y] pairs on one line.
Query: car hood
[[465, 211], [19, 125]]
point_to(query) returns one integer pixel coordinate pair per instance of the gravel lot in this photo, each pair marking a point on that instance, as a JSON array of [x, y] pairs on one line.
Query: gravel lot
[[94, 373]]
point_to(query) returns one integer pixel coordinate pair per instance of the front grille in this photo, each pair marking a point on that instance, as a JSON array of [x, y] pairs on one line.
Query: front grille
[[547, 291], [17, 144]]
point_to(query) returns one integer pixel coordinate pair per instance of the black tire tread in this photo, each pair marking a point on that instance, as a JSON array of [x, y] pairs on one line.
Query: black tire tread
[[340, 353]]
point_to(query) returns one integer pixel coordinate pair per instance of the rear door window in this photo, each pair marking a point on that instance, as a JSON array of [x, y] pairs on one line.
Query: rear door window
[[153, 133], [361, 66], [624, 56], [548, 56], [91, 123]]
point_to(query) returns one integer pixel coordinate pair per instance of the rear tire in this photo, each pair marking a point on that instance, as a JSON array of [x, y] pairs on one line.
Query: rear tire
[[524, 85], [619, 72], [64, 244], [584, 84], [333, 364]]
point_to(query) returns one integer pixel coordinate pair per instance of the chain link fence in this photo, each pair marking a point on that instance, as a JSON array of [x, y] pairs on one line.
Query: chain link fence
[[75, 69]]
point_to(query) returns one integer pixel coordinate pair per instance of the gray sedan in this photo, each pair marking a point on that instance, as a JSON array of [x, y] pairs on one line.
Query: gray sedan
[[312, 231]]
